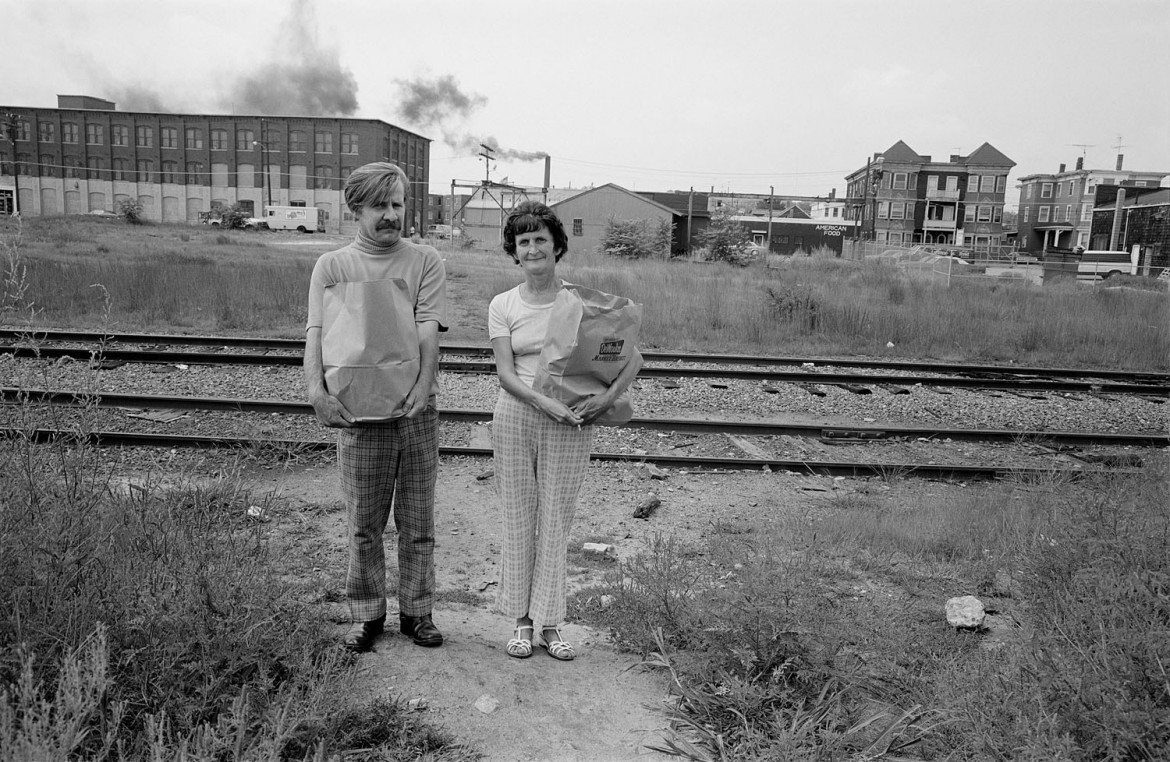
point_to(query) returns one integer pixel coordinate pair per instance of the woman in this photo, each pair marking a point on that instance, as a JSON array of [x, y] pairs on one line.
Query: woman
[[541, 445]]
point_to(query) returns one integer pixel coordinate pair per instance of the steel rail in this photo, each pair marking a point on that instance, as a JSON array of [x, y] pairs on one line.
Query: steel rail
[[986, 381], [836, 434], [691, 464], [297, 345]]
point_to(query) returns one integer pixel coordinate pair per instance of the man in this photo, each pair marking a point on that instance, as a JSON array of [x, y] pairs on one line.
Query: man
[[376, 308]]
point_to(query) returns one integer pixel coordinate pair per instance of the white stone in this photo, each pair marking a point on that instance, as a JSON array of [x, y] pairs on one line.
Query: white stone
[[598, 548], [965, 612], [487, 703]]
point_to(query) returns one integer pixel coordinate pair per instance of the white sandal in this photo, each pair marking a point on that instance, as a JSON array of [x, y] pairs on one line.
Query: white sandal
[[557, 648], [520, 647]]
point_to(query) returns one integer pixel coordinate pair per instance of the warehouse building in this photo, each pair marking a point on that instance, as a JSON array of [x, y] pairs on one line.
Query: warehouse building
[[86, 156]]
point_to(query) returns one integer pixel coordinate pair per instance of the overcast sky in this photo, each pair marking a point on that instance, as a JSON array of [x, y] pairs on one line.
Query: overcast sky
[[648, 94]]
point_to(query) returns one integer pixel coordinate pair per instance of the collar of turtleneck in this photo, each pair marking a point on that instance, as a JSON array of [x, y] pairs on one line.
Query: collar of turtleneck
[[368, 245]]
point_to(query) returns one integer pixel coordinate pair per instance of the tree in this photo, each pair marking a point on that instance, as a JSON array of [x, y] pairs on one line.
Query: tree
[[726, 240], [131, 211], [637, 239]]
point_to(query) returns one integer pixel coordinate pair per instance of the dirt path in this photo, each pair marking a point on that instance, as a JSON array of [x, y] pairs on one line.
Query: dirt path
[[598, 708]]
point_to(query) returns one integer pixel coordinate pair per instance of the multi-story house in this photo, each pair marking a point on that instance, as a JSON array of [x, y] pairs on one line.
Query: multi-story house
[[85, 155], [903, 198], [1056, 210]]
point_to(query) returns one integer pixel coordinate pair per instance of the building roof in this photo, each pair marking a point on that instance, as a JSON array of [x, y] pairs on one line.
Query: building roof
[[677, 201], [637, 196], [1142, 197], [901, 153], [989, 156]]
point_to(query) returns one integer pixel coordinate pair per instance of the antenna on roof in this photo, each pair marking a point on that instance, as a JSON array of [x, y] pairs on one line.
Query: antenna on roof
[[1082, 146], [1119, 145]]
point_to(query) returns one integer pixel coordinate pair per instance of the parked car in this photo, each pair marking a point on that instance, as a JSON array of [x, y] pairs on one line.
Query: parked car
[[441, 232]]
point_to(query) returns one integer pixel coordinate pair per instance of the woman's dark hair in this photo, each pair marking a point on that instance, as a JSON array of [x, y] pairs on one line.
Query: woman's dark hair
[[528, 217]]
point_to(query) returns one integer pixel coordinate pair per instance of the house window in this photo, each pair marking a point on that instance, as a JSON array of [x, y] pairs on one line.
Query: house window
[[244, 140], [168, 137], [323, 142], [119, 135], [883, 210], [969, 213], [69, 132], [47, 131], [93, 167], [194, 172], [984, 214], [194, 137], [145, 170], [1059, 190], [324, 177], [1068, 213], [973, 183], [219, 140], [121, 169], [1046, 190], [296, 140], [1028, 191], [997, 214], [144, 136], [95, 134], [1042, 215], [797, 240], [899, 181], [835, 210], [1086, 212], [897, 210], [1072, 188], [783, 239], [1001, 184], [170, 170], [987, 184], [48, 165], [349, 142], [578, 226], [1027, 209]]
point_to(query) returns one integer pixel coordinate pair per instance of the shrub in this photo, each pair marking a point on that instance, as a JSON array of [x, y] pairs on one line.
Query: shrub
[[726, 240], [232, 217], [131, 211], [637, 239]]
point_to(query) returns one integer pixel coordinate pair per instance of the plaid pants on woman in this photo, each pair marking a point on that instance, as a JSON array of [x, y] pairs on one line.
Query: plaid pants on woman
[[540, 466], [390, 467]]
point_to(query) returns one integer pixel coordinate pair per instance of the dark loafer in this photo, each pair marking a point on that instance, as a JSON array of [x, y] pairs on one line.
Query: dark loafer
[[420, 629], [361, 636]]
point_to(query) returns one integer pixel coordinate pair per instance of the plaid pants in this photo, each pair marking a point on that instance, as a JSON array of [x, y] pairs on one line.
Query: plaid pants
[[390, 467], [540, 466]]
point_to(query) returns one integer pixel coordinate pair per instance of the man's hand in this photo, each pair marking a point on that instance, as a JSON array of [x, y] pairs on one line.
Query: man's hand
[[416, 401], [330, 411]]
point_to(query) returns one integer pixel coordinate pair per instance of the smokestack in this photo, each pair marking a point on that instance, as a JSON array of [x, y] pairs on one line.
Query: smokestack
[[1120, 158], [832, 194], [1061, 169], [547, 173], [1081, 163], [1117, 214]]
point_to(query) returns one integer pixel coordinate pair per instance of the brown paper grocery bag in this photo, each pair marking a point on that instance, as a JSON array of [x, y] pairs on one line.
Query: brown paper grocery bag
[[591, 336]]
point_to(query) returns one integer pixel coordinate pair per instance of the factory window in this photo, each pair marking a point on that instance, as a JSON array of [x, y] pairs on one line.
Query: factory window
[[119, 135], [73, 167], [578, 226], [324, 142], [244, 139], [900, 181], [170, 170], [984, 214], [194, 173], [47, 132], [1045, 190], [194, 137], [145, 170], [121, 169], [168, 137], [296, 140], [93, 167], [68, 132], [95, 134], [24, 164], [349, 142], [219, 140], [323, 177], [23, 130], [144, 136], [48, 165], [1042, 214]]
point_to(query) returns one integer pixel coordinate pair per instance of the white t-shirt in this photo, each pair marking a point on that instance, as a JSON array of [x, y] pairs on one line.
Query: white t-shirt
[[527, 325]]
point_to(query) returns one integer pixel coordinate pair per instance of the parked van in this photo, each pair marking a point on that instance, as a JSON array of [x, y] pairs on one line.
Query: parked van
[[303, 219], [1098, 264]]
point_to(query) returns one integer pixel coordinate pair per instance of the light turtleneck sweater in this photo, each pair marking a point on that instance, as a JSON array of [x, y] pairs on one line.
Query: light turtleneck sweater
[[368, 245]]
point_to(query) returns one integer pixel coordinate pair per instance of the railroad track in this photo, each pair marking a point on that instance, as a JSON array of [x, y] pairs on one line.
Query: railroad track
[[108, 349], [692, 464]]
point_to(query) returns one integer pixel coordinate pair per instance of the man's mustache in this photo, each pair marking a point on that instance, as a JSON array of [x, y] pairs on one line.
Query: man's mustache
[[389, 226]]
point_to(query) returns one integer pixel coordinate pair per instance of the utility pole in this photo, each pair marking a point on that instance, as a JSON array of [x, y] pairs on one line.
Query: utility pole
[[487, 163], [771, 193], [690, 213], [10, 131]]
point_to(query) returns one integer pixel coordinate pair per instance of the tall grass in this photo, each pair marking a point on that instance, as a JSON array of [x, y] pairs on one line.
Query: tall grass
[[822, 635], [815, 305]]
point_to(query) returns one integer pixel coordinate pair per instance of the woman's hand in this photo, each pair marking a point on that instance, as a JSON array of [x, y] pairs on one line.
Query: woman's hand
[[558, 411], [591, 408]]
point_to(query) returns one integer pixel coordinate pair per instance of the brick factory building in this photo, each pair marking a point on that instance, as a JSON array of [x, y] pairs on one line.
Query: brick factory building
[[86, 156]]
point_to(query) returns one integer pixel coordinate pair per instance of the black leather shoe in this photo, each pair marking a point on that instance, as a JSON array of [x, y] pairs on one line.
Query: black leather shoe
[[361, 636], [421, 629]]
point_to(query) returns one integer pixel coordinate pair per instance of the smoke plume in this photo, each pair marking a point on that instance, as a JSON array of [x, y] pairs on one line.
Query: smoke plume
[[471, 145], [301, 79]]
